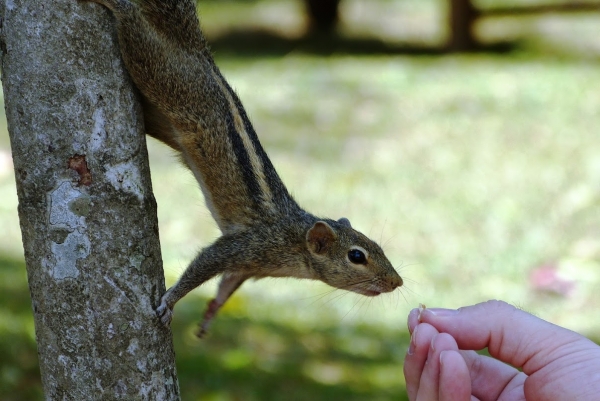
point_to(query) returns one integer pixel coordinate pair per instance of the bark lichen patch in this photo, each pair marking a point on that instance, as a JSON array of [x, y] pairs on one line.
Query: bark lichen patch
[[70, 241], [99, 132], [64, 212], [76, 246], [134, 346], [126, 177]]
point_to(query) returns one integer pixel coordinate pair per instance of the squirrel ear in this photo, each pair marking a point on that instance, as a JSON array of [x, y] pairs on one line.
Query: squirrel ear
[[320, 237], [345, 222]]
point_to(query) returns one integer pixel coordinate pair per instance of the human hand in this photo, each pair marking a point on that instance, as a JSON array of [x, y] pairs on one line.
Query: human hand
[[441, 364]]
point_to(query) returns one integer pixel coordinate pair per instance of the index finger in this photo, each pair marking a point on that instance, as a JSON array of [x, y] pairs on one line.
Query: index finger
[[510, 334]]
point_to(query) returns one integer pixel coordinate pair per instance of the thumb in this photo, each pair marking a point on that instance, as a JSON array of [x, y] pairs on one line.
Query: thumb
[[510, 334]]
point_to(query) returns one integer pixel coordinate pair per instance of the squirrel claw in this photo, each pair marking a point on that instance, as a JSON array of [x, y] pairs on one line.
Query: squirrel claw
[[164, 313]]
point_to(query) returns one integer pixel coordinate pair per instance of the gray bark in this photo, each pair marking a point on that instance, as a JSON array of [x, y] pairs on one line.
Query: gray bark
[[86, 208]]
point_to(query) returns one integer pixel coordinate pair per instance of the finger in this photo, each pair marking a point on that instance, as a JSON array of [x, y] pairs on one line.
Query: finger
[[491, 379], [455, 379], [416, 357], [511, 335], [429, 385], [413, 319]]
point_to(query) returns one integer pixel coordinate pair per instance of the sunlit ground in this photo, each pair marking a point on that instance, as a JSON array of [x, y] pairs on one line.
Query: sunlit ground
[[477, 173]]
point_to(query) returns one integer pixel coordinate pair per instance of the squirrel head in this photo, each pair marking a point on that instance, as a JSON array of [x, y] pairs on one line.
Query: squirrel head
[[344, 258]]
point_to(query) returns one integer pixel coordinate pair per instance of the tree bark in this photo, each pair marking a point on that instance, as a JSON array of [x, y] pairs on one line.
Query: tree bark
[[86, 208]]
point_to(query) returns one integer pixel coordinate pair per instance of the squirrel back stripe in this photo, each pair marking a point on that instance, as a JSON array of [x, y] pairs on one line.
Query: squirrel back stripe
[[245, 151], [280, 194], [264, 184]]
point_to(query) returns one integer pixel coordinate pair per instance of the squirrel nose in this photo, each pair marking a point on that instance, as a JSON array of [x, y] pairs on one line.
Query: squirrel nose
[[396, 281]]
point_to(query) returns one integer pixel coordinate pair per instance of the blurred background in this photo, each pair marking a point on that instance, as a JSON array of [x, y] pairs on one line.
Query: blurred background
[[463, 136]]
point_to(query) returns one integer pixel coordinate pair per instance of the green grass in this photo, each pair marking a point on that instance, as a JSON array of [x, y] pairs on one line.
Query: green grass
[[19, 372], [250, 355], [471, 170]]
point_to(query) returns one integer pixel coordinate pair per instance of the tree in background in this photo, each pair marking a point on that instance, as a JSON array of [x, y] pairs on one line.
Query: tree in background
[[323, 15]]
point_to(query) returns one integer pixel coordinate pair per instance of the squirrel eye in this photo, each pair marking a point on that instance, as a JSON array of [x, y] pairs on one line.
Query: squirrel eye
[[357, 257]]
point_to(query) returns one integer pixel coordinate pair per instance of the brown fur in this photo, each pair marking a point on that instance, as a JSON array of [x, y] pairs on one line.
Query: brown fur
[[189, 106]]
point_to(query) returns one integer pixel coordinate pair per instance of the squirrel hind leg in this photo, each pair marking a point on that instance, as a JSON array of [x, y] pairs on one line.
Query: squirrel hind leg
[[176, 20], [158, 126], [229, 283]]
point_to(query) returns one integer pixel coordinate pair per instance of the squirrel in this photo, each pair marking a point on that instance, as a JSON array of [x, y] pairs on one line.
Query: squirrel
[[188, 105]]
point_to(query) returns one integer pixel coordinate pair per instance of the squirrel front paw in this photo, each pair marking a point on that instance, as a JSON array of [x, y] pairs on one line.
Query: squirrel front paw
[[164, 312]]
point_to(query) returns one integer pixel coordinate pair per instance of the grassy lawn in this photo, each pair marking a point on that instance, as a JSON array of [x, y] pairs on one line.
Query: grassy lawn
[[479, 174]]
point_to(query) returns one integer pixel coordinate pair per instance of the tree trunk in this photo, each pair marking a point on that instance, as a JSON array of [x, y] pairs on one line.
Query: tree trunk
[[462, 16], [86, 208], [323, 15]]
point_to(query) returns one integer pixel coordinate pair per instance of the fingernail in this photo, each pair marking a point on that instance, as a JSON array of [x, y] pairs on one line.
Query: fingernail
[[422, 307], [440, 312], [442, 357], [413, 343], [433, 342], [411, 318]]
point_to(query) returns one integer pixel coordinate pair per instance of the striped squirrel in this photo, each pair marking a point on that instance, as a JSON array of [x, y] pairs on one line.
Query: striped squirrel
[[189, 106]]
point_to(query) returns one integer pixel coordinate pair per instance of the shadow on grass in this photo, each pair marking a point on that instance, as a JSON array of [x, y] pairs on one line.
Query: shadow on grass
[[262, 42], [244, 359], [240, 360]]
